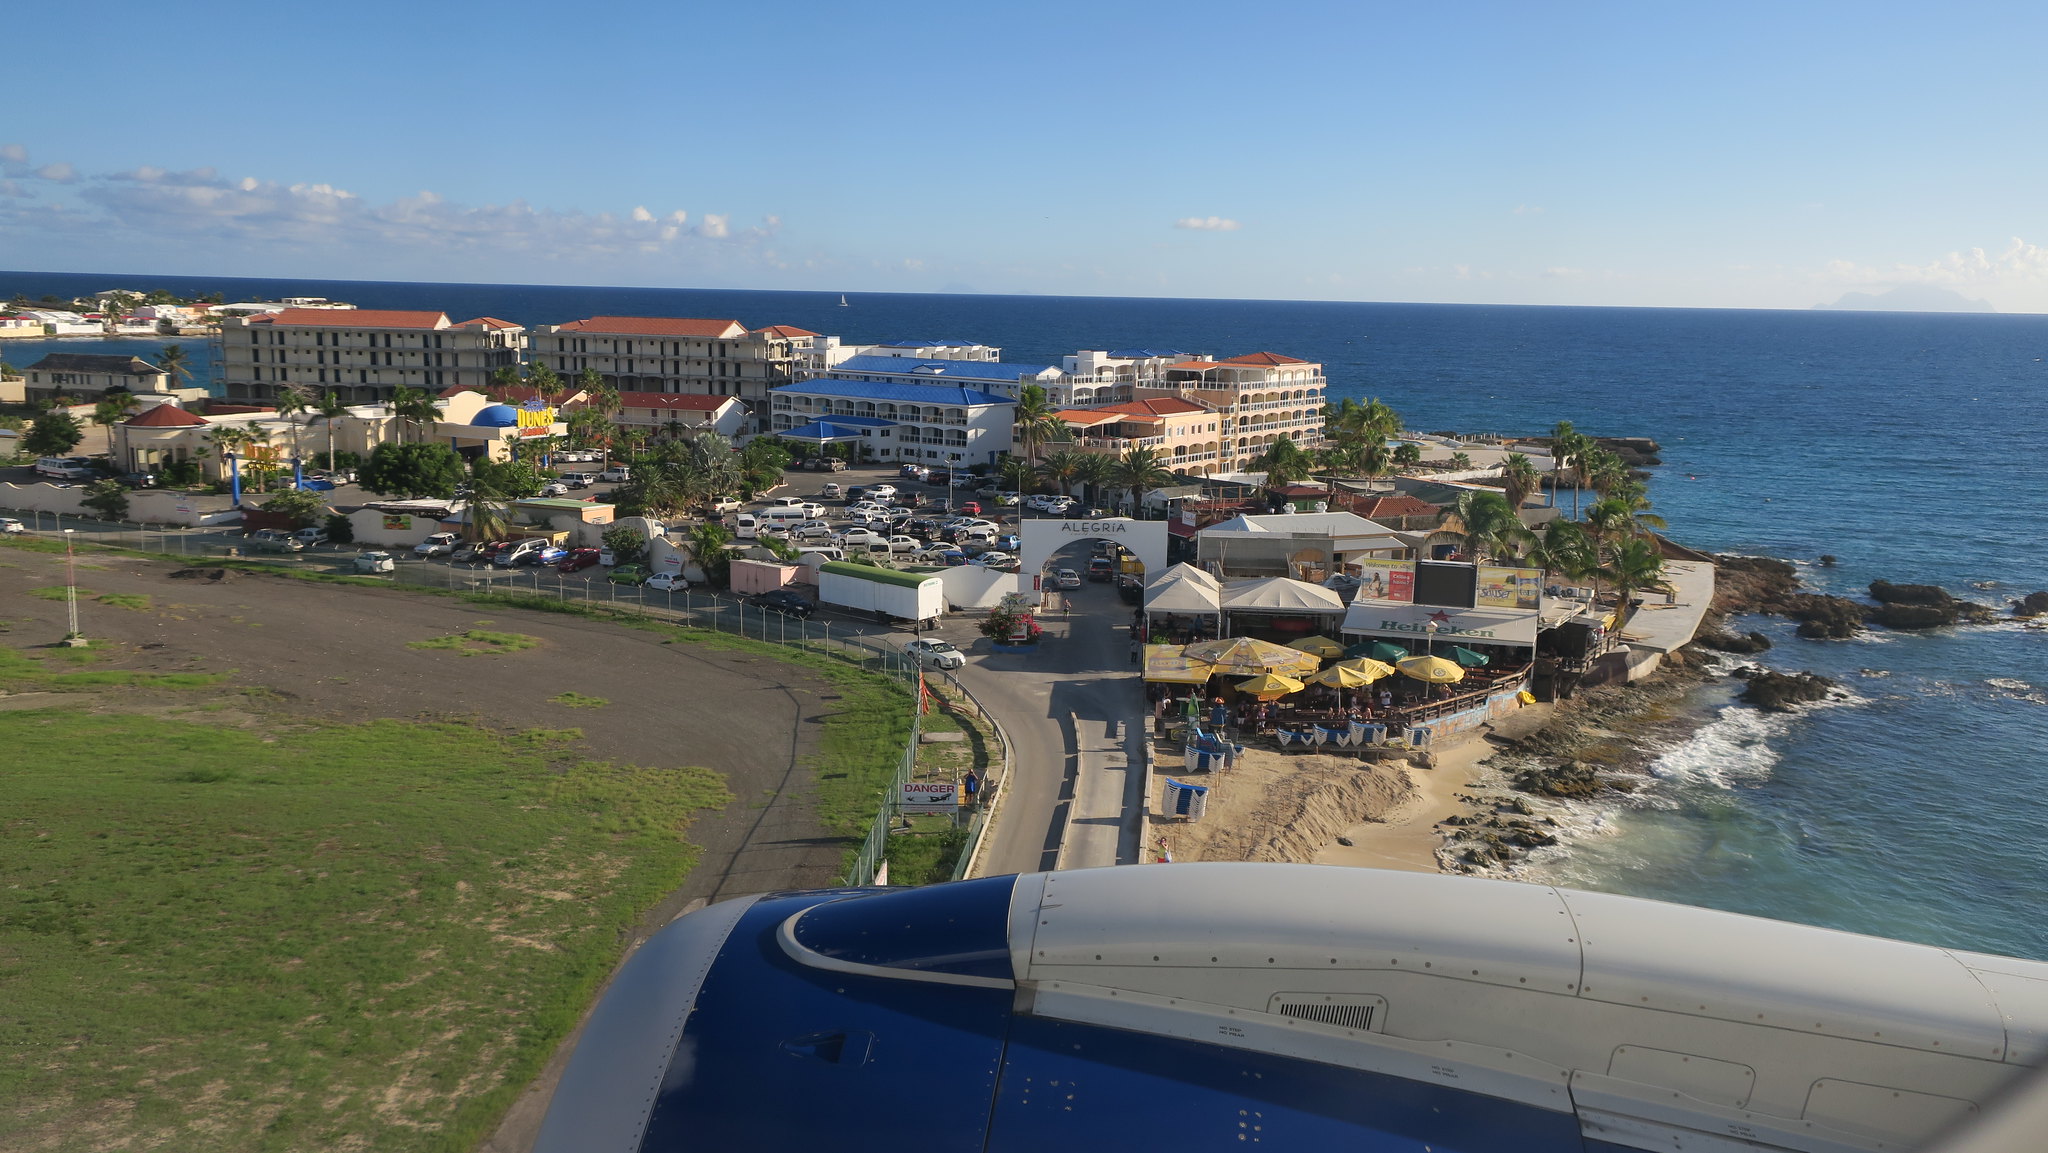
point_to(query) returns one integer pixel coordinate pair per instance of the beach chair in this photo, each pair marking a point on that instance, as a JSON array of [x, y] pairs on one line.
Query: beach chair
[[1338, 737], [1356, 734], [1314, 737]]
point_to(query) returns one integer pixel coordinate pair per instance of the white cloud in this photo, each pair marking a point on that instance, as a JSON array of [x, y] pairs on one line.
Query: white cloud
[[2018, 263], [1207, 223], [199, 211]]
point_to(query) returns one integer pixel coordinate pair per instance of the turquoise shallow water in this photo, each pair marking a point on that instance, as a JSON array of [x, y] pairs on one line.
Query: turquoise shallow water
[[1913, 447]]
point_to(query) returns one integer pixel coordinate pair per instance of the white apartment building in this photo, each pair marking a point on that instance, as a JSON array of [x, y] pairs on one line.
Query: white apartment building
[[362, 355], [1259, 397], [685, 356], [931, 423], [933, 350]]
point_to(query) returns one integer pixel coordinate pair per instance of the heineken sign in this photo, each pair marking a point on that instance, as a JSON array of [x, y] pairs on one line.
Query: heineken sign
[[1442, 629], [1490, 625]]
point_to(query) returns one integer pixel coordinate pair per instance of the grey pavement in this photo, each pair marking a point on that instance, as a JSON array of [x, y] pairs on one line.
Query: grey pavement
[[1660, 626]]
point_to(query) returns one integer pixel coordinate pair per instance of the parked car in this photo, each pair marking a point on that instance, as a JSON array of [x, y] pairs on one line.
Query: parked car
[[784, 501], [616, 474], [970, 507], [882, 491], [860, 536], [139, 479], [832, 490], [901, 543], [554, 488], [577, 560], [275, 540], [517, 552], [547, 554], [1131, 589], [1066, 578], [579, 479], [627, 574], [376, 562], [439, 544], [475, 550], [10, 526], [723, 504], [1050, 502], [913, 471], [1000, 561], [785, 601], [935, 654], [1007, 542], [810, 530], [667, 582], [311, 536]]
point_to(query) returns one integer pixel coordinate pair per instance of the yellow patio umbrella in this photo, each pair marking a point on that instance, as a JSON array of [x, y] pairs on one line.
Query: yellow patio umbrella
[[1269, 686], [1372, 669], [1340, 677], [1320, 646], [1249, 656], [1435, 670]]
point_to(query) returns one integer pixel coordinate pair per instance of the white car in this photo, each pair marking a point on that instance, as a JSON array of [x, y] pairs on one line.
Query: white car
[[905, 544], [557, 488], [1051, 502], [881, 491], [1067, 578], [785, 502], [667, 582], [376, 562], [998, 560], [11, 526], [832, 491], [935, 654], [440, 544], [861, 536], [810, 530]]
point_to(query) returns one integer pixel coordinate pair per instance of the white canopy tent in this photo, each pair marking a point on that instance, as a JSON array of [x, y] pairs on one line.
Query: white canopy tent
[[1281, 595]]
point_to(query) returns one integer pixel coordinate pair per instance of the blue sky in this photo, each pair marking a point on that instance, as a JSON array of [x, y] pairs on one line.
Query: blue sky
[[1727, 155]]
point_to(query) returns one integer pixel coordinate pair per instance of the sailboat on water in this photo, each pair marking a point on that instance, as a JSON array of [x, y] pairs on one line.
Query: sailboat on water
[[842, 301]]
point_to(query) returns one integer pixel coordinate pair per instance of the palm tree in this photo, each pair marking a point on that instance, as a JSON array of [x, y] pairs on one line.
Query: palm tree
[[415, 407], [602, 396], [675, 429], [1138, 470], [490, 502], [1630, 565], [1519, 478], [293, 402], [173, 363], [708, 547], [1060, 467], [331, 409], [225, 440], [112, 409], [1284, 463], [1487, 526], [1567, 446], [501, 378], [1375, 459], [1093, 473], [1565, 549], [1016, 473], [1037, 421]]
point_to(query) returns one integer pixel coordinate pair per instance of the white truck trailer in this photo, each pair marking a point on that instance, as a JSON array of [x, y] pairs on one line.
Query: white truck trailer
[[903, 595]]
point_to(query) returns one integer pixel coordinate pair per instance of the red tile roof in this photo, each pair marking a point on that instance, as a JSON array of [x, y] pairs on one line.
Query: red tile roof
[[1265, 359], [1087, 416], [680, 402], [1398, 505], [786, 330], [352, 318], [1163, 406], [486, 322], [1193, 366], [658, 326], [163, 416]]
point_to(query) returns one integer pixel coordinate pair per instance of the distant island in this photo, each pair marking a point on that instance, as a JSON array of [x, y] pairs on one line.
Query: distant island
[[1909, 298]]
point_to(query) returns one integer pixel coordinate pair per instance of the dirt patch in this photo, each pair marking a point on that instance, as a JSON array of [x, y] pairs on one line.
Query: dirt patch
[[1279, 807]]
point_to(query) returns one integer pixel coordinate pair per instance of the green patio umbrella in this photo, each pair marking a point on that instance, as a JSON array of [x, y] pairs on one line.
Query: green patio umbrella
[[1467, 657], [1378, 650]]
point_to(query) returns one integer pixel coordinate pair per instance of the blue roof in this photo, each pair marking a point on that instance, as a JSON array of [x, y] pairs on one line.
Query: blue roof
[[495, 416], [1007, 372], [864, 421], [891, 391], [822, 431], [1144, 353]]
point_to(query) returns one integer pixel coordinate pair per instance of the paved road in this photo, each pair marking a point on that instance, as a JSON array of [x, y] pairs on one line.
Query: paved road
[[1064, 706]]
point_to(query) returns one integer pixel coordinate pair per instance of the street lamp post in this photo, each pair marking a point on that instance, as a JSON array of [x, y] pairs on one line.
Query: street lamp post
[[1429, 642], [72, 637]]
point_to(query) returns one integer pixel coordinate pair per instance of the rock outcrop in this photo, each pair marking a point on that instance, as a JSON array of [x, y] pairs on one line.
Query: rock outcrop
[[2031, 605], [1722, 641], [1571, 780], [1923, 607], [1776, 692]]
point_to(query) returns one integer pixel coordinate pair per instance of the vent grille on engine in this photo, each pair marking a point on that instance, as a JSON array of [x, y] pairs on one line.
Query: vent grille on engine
[[1348, 1011]]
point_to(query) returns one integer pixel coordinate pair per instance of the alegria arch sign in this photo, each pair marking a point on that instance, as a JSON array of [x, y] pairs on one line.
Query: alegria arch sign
[[1041, 538]]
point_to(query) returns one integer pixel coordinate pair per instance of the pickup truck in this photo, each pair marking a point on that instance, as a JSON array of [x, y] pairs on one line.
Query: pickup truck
[[274, 540], [723, 504]]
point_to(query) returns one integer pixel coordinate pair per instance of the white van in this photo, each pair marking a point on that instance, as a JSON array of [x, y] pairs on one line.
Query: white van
[[784, 516], [821, 553], [616, 474], [746, 526], [65, 467]]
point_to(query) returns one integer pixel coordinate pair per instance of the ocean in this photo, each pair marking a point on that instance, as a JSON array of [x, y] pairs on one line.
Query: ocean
[[1908, 446]]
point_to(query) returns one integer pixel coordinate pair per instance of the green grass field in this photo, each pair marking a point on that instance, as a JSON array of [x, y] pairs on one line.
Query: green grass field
[[305, 935]]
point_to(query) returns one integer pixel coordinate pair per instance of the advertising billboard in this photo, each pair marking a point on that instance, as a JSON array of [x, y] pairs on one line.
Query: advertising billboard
[[1386, 580], [1501, 587]]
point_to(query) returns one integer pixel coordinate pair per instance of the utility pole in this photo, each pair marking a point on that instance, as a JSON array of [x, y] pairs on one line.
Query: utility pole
[[73, 637]]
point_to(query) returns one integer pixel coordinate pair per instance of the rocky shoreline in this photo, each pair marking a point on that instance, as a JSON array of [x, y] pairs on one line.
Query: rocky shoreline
[[1602, 743]]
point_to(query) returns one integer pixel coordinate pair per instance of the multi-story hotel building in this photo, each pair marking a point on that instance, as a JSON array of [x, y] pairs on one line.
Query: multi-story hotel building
[[930, 423], [361, 355], [685, 356], [1184, 435], [1258, 399]]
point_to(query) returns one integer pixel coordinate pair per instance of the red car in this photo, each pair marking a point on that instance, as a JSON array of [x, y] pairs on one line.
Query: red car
[[970, 508], [581, 558]]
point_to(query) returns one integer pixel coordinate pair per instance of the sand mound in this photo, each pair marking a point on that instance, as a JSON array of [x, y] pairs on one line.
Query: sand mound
[[1278, 807]]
